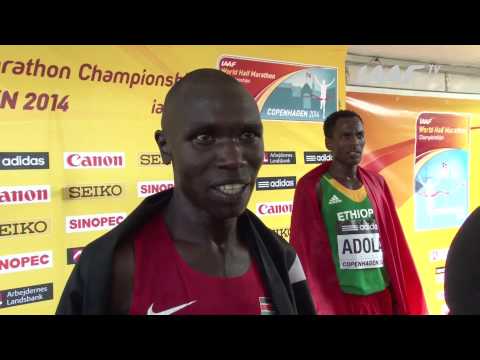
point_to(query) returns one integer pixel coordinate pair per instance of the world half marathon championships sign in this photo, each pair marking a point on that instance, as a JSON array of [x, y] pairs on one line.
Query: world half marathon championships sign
[[286, 91]]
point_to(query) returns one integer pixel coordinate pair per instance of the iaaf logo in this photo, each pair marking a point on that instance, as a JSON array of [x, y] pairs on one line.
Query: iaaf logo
[[394, 74], [34, 227], [228, 63], [95, 222], [88, 160], [26, 261], [23, 160], [274, 208], [73, 255], [272, 183], [279, 157], [26, 295], [146, 188], [92, 191], [27, 194], [317, 157]]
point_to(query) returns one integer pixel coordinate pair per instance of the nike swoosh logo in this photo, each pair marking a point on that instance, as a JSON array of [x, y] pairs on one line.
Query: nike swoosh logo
[[169, 311]]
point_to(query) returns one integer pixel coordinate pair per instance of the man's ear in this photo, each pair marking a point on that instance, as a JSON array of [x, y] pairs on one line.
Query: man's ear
[[163, 146], [328, 143]]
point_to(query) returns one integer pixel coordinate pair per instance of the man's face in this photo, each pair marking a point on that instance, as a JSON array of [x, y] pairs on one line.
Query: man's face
[[217, 148], [347, 141]]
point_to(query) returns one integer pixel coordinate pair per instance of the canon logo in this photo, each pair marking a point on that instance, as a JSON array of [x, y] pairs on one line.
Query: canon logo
[[23, 228], [92, 191], [88, 160], [11, 195], [146, 188], [26, 261], [23, 160], [274, 208], [95, 222]]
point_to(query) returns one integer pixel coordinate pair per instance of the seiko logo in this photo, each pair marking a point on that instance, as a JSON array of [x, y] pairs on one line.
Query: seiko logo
[[146, 188], [95, 222], [73, 255], [24, 194], [150, 159], [92, 191], [283, 232], [23, 228], [23, 160], [87, 160], [274, 208], [26, 261], [279, 157], [272, 183], [26, 295], [317, 157]]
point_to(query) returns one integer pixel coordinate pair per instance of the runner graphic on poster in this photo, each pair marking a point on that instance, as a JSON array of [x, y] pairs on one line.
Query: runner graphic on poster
[[441, 170]]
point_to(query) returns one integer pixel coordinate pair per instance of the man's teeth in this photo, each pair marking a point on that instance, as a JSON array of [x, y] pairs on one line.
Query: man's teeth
[[231, 189]]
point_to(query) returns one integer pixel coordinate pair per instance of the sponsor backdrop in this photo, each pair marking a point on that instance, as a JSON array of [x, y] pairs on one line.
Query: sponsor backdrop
[[78, 153], [430, 161]]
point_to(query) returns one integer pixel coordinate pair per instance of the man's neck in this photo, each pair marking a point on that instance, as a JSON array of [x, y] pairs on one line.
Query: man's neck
[[193, 225], [345, 174], [342, 171]]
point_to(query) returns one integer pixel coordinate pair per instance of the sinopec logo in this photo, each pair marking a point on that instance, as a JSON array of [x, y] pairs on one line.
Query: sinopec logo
[[279, 157], [26, 261], [150, 159], [26, 295], [92, 191], [317, 157], [25, 227], [274, 183], [274, 208], [95, 222], [28, 194], [24, 160], [73, 255], [93, 160], [146, 188]]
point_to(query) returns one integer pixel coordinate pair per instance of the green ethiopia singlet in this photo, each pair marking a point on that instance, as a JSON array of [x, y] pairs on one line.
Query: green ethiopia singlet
[[354, 238]]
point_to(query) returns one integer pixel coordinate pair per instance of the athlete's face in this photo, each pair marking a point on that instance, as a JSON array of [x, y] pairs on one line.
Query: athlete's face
[[347, 141], [217, 148]]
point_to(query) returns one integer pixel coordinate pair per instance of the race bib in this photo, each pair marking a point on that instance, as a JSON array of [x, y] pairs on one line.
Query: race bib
[[359, 245]]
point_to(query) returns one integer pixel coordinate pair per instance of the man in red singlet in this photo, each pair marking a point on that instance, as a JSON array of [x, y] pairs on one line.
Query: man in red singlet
[[195, 249]]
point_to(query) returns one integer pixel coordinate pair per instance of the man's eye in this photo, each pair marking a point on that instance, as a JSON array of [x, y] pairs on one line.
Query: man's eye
[[204, 139], [248, 136]]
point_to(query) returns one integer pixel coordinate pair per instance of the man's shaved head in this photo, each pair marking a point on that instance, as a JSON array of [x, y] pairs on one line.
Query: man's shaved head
[[194, 85]]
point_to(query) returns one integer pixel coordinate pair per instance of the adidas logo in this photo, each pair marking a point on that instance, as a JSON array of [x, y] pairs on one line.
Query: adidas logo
[[334, 200]]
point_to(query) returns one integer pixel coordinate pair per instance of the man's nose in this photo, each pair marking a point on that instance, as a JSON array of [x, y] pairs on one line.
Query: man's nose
[[230, 154]]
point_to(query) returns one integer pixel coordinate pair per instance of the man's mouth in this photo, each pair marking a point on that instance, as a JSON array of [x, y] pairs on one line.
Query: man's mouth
[[231, 189]]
